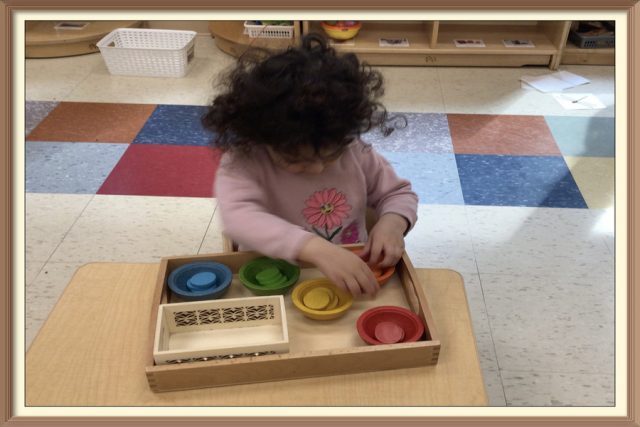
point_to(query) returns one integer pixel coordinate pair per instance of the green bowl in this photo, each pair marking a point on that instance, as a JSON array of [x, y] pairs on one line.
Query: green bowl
[[268, 276]]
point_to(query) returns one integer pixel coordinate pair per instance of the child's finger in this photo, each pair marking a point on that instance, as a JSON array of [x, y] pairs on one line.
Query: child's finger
[[368, 282], [364, 253], [375, 253], [391, 257], [354, 287]]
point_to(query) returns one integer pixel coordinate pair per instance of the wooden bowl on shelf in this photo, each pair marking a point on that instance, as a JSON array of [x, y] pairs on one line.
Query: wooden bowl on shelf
[[341, 30]]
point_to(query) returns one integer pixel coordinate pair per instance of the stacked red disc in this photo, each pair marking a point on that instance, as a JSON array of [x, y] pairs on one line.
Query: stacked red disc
[[389, 325]]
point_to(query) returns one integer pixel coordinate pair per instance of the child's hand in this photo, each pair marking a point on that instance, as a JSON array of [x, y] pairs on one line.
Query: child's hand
[[386, 241], [344, 268]]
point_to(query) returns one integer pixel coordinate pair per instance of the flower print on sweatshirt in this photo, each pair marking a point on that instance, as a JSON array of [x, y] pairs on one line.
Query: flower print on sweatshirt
[[325, 210], [350, 234]]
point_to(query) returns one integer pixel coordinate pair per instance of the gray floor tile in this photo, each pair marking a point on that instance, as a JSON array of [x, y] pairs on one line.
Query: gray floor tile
[[35, 111], [494, 387], [49, 217], [43, 293], [413, 133], [136, 229], [540, 323], [441, 239], [541, 241], [558, 389]]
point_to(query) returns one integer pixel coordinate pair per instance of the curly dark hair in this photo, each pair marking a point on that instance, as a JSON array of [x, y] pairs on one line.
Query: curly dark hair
[[304, 96]]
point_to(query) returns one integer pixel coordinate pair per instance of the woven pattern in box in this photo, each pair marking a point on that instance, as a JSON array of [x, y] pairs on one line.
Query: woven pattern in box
[[148, 52], [220, 329], [268, 31]]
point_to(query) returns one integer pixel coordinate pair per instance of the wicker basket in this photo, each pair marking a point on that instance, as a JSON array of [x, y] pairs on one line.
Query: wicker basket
[[268, 31], [592, 42], [147, 52]]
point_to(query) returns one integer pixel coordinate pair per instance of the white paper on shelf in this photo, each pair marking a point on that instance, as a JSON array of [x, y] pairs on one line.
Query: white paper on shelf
[[579, 101], [556, 82]]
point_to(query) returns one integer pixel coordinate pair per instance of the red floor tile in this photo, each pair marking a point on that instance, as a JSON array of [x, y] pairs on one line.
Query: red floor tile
[[164, 170], [92, 122], [510, 135]]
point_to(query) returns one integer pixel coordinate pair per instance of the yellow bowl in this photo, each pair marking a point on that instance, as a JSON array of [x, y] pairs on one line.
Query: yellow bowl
[[345, 300], [340, 32]]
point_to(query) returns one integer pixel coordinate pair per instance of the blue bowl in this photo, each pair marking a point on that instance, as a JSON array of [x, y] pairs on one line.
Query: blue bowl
[[200, 280]]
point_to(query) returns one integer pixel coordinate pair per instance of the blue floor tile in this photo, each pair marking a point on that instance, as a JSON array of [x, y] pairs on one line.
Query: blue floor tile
[[424, 133], [518, 181], [69, 167], [434, 177], [584, 136], [175, 125]]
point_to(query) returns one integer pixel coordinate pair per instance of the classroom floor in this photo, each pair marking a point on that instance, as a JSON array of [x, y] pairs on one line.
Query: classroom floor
[[516, 194]]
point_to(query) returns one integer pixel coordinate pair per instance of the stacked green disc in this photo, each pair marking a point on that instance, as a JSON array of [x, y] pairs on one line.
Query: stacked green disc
[[268, 276]]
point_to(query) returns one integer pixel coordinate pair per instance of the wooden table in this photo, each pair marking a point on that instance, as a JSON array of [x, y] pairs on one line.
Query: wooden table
[[91, 351]]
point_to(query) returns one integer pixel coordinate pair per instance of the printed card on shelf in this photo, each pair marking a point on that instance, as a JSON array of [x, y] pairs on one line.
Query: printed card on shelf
[[469, 43], [518, 43], [393, 42]]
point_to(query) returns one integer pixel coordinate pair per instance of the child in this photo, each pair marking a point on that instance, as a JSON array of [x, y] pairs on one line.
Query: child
[[295, 177]]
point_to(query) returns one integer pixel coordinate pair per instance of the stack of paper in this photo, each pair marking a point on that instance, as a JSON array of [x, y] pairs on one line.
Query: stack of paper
[[555, 82]]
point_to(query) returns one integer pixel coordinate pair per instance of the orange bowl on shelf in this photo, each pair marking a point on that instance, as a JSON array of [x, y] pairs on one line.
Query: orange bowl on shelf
[[341, 30]]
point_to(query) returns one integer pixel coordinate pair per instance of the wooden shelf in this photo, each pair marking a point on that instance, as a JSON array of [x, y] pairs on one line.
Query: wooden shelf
[[573, 55], [230, 38], [493, 37], [42, 40], [368, 39], [431, 43]]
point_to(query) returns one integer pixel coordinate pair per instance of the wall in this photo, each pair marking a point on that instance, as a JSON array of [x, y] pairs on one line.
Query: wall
[[201, 27]]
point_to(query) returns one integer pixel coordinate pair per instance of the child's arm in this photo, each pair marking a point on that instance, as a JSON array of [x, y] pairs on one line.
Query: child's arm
[[396, 205], [243, 207], [341, 266]]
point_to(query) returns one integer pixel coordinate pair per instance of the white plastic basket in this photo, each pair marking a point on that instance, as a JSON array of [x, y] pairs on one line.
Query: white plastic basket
[[268, 31], [147, 52]]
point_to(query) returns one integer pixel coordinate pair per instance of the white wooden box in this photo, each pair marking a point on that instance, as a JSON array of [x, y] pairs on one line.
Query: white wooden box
[[220, 329]]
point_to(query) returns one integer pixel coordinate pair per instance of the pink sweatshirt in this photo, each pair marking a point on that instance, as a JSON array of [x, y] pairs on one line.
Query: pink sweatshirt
[[274, 212]]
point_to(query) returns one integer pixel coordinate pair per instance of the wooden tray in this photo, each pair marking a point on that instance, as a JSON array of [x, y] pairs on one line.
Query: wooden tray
[[317, 348]]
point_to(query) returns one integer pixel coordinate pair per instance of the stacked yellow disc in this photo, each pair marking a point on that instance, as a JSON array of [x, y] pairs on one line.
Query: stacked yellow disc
[[320, 299]]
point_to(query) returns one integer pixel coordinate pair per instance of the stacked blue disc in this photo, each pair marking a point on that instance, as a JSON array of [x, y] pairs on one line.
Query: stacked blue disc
[[202, 280]]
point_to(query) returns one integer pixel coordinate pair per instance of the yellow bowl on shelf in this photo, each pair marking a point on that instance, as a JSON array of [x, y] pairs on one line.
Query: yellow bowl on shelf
[[341, 30], [320, 299]]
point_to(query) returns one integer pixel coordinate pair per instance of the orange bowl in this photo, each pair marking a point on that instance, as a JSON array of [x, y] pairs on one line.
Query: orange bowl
[[382, 274]]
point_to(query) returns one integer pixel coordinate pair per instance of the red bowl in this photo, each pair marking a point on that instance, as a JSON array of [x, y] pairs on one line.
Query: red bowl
[[369, 325]]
